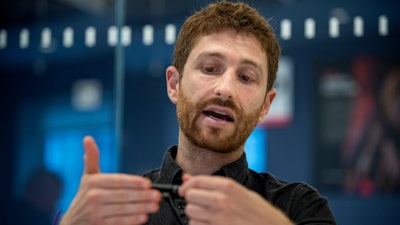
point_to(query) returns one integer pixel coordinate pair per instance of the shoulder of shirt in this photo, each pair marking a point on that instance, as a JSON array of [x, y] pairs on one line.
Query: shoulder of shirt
[[299, 200], [274, 183]]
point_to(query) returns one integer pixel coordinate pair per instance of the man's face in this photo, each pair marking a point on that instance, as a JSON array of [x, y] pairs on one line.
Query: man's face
[[222, 94]]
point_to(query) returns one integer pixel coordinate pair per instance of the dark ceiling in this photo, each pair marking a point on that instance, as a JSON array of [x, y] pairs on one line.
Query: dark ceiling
[[21, 11]]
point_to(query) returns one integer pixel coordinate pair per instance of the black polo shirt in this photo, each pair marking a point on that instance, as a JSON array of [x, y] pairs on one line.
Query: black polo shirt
[[299, 201]]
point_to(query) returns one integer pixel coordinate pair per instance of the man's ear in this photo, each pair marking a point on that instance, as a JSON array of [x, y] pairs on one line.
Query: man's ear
[[172, 78], [267, 103]]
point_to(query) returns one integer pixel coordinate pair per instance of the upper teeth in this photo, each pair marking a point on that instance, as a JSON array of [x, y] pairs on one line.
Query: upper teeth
[[221, 113]]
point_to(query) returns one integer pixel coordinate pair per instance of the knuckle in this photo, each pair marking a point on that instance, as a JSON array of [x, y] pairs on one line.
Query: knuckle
[[189, 210], [93, 196], [140, 218], [222, 200], [190, 195], [91, 182], [228, 185]]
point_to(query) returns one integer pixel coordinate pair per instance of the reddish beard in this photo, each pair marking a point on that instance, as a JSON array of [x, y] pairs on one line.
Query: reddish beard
[[214, 139]]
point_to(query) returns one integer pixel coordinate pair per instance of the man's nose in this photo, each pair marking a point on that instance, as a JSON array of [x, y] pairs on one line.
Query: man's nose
[[225, 85]]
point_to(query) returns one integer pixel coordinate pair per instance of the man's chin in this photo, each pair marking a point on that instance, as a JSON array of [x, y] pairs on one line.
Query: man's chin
[[216, 144]]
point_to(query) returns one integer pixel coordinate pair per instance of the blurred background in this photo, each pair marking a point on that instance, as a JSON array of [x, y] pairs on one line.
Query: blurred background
[[71, 68]]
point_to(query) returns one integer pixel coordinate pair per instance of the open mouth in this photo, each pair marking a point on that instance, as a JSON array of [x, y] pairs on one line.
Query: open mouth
[[220, 116]]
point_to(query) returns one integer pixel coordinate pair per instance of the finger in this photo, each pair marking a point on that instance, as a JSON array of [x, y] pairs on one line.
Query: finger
[[197, 213], [123, 196], [186, 177], [119, 181], [208, 183], [131, 219], [91, 157], [197, 222], [213, 200], [114, 210]]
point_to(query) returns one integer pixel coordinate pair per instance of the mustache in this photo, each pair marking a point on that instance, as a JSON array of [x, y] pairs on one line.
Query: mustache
[[220, 102]]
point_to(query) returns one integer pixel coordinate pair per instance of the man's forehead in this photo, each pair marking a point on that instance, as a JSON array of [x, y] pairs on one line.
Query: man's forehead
[[208, 49]]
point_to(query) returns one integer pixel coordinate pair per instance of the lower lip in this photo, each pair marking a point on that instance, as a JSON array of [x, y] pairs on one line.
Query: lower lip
[[215, 122]]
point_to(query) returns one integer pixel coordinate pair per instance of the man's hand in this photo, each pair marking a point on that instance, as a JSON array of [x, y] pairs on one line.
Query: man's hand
[[220, 200], [110, 198]]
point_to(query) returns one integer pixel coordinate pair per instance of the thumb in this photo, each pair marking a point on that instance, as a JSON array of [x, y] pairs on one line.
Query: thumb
[[91, 157], [186, 177]]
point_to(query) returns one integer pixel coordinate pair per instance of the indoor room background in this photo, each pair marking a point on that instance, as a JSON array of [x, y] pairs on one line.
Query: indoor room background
[[71, 68]]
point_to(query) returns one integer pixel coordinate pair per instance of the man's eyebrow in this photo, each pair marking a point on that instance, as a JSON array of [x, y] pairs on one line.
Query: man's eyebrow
[[210, 54]]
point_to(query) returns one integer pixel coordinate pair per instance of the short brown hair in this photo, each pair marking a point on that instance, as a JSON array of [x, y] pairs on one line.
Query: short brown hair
[[222, 15]]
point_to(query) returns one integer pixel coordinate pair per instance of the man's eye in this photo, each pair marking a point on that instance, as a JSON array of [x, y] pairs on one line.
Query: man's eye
[[211, 69], [244, 77]]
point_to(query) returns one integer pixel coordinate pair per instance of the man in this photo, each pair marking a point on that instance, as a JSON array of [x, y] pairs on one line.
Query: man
[[225, 64]]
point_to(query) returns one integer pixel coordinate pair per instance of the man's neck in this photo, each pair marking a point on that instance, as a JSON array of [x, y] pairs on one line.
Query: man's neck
[[195, 160]]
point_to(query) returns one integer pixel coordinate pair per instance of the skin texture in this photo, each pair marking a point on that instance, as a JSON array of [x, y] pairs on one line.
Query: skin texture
[[225, 73]]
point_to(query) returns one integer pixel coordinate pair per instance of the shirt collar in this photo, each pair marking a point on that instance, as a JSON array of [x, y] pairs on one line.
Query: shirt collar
[[170, 172]]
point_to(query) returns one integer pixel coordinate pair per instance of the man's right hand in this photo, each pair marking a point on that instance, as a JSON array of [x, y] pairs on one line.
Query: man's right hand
[[110, 198]]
